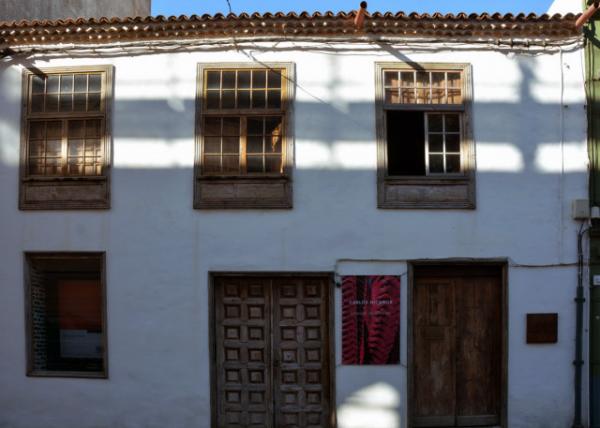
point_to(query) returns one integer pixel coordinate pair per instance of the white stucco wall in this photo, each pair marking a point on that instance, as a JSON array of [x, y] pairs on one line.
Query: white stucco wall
[[531, 163]]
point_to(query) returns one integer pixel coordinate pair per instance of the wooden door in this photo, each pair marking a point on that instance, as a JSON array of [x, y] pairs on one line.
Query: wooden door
[[272, 352], [457, 358]]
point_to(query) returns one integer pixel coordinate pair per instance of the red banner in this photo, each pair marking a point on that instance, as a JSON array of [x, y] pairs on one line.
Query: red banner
[[370, 320]]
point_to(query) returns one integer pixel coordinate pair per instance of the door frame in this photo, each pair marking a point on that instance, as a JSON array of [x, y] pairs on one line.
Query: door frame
[[329, 276], [502, 264]]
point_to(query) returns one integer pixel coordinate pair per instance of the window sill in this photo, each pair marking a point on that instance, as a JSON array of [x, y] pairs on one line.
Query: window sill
[[64, 193], [243, 192], [68, 374], [452, 192]]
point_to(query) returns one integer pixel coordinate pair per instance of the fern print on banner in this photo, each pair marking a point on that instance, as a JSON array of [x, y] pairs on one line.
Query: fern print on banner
[[370, 320]]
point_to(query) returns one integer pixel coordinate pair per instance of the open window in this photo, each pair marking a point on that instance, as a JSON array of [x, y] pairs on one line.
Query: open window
[[65, 138], [66, 314], [243, 146], [425, 149]]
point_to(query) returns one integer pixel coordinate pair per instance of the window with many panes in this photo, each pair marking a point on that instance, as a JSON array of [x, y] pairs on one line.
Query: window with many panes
[[66, 314], [425, 150], [242, 127], [65, 138]]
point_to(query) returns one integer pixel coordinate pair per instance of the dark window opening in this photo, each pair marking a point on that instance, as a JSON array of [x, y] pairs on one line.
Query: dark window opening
[[405, 142], [66, 306]]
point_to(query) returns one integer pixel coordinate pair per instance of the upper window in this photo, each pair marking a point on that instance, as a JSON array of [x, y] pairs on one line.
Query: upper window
[[65, 138], [242, 132], [426, 153], [65, 293]]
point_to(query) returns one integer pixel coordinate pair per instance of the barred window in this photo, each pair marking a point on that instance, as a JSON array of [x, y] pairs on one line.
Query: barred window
[[65, 137], [243, 150]]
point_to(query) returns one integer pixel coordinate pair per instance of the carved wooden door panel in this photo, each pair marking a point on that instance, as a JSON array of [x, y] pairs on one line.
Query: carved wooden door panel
[[243, 352], [272, 359], [457, 357]]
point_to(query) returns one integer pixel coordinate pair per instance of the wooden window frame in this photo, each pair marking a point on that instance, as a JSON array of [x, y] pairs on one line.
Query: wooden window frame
[[65, 192], [31, 256], [434, 191], [256, 191]]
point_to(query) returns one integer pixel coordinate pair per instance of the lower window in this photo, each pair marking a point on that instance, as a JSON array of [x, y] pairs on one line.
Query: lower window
[[66, 322]]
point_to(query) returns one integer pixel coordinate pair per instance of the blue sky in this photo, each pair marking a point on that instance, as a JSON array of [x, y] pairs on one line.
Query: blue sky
[[199, 7]]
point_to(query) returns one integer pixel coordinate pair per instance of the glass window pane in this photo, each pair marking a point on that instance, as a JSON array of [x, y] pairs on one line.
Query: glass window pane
[[212, 145], [231, 145], [76, 129], [434, 122], [453, 143], [407, 78], [453, 163], [92, 150], [75, 168], [452, 123], [258, 99], [92, 128], [54, 129], [66, 83], [36, 166], [38, 84], [75, 148], [436, 143], [212, 126], [407, 96], [422, 79], [438, 79], [274, 99], [94, 102], [53, 147], [392, 96], [37, 130], [66, 103], [273, 164], [36, 148], [37, 103], [436, 164], [259, 79], [255, 126], [95, 82], [274, 79], [273, 144], [80, 83], [454, 96], [211, 164], [231, 126], [438, 96], [243, 99], [254, 145], [391, 79], [212, 99], [254, 164], [228, 80], [243, 79], [52, 84], [51, 103], [423, 96], [213, 79], [454, 80], [228, 99], [79, 102], [231, 164], [273, 125]]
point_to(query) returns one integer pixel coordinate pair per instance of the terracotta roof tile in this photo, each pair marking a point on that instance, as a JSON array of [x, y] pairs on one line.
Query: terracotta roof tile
[[401, 24]]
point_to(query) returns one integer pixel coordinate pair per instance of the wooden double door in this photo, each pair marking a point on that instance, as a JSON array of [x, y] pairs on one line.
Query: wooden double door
[[457, 375], [271, 352]]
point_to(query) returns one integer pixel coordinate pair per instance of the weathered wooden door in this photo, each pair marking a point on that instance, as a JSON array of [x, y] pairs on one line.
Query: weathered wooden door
[[272, 352], [457, 356]]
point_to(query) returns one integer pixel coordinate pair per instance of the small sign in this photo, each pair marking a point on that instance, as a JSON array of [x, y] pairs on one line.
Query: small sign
[[542, 328], [596, 279], [370, 320]]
